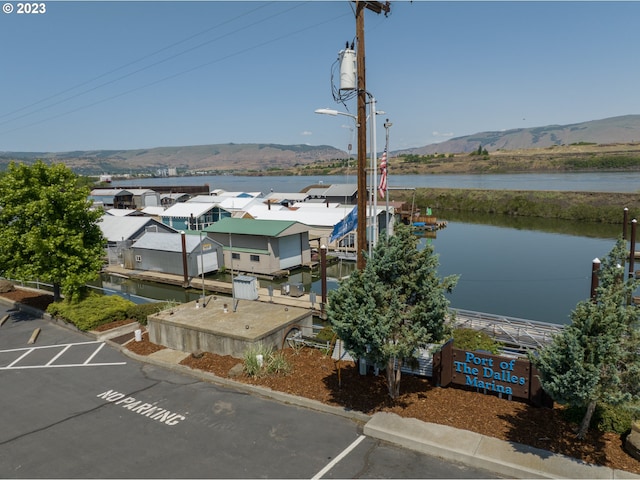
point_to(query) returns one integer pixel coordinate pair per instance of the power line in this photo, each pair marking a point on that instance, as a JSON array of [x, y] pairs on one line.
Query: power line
[[169, 77], [66, 99]]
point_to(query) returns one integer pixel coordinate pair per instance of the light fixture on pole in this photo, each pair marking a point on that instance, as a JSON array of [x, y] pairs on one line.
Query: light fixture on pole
[[387, 126], [362, 193], [372, 200], [333, 113]]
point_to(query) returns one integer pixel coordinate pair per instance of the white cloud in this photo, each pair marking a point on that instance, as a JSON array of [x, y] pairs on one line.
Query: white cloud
[[306, 133]]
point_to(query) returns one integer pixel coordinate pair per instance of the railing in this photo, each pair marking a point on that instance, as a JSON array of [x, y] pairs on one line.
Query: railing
[[516, 333], [38, 285]]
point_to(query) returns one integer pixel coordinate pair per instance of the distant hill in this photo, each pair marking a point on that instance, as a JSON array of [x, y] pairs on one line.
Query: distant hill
[[623, 129], [221, 158], [233, 158]]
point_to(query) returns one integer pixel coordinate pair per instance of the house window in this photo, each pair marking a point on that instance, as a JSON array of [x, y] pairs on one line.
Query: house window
[[254, 258], [138, 258], [235, 256]]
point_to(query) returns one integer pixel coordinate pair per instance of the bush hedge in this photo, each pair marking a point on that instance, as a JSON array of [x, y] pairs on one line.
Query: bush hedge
[[139, 313], [606, 417], [469, 339], [93, 311]]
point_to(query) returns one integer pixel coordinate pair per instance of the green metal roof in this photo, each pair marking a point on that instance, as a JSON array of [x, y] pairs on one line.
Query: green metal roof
[[250, 226]]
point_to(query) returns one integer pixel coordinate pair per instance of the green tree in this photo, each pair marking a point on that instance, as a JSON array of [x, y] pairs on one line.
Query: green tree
[[595, 360], [48, 230], [394, 305]]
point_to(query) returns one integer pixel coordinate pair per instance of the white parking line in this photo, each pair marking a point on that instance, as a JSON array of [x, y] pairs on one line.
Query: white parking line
[[49, 346], [58, 355], [50, 364], [94, 353], [28, 351], [343, 454]]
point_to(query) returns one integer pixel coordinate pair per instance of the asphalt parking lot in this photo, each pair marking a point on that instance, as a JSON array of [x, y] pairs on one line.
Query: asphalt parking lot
[[72, 407]]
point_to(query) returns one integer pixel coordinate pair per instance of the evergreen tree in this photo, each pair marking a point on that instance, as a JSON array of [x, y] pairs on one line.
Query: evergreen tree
[[385, 312], [47, 229], [595, 358]]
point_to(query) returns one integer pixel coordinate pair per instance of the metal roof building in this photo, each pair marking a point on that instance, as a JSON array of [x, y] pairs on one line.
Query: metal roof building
[[163, 252], [265, 247]]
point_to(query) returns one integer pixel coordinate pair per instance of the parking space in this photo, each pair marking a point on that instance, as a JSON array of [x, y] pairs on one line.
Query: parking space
[[82, 354], [74, 408]]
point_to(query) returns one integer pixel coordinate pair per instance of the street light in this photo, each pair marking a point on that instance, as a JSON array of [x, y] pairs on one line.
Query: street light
[[373, 199], [387, 126], [361, 194], [333, 113]]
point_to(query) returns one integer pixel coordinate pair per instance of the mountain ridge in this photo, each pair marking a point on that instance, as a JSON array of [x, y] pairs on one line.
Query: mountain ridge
[[212, 158], [620, 129], [229, 158]]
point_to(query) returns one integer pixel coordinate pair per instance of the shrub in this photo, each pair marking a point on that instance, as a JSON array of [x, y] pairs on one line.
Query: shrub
[[251, 365], [139, 313], [91, 312], [606, 418], [272, 362], [326, 334], [278, 364], [469, 339], [613, 418]]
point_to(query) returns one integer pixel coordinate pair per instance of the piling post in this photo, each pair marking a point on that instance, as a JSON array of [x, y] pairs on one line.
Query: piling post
[[323, 267], [632, 251], [595, 267], [185, 268], [625, 221]]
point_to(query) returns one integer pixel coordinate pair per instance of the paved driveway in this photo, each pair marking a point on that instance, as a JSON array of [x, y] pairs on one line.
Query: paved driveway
[[71, 407]]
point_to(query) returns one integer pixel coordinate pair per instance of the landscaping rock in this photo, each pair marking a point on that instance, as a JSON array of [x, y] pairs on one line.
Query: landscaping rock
[[632, 443], [6, 286], [197, 354], [236, 371]]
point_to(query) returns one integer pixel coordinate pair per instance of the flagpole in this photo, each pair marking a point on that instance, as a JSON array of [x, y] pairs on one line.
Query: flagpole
[[387, 125], [374, 173]]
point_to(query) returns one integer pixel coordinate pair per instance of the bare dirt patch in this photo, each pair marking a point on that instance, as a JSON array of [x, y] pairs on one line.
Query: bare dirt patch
[[30, 298]]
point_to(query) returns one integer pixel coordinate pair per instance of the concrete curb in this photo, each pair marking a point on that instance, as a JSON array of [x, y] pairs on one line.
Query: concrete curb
[[253, 389], [115, 332], [508, 459]]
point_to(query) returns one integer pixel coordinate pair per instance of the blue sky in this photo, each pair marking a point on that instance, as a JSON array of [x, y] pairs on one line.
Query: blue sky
[[123, 75]]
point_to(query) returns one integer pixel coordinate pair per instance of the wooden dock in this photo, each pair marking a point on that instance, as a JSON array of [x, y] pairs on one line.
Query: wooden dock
[[518, 335], [428, 227], [215, 286]]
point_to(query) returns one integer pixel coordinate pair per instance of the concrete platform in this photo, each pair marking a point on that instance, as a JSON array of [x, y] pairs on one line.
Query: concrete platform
[[220, 328]]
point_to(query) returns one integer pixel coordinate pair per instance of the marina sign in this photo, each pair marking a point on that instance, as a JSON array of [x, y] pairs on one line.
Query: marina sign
[[488, 373]]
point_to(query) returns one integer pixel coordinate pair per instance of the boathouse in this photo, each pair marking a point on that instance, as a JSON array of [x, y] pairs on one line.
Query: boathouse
[[112, 198], [265, 247], [193, 215], [167, 253]]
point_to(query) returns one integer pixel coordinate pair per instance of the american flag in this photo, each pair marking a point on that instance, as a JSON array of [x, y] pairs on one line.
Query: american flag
[[383, 174]]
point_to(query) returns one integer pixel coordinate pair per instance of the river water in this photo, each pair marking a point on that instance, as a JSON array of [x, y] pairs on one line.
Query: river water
[[527, 268], [587, 182]]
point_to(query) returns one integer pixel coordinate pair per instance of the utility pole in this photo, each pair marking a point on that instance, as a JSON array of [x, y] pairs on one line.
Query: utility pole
[[361, 241], [362, 137]]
